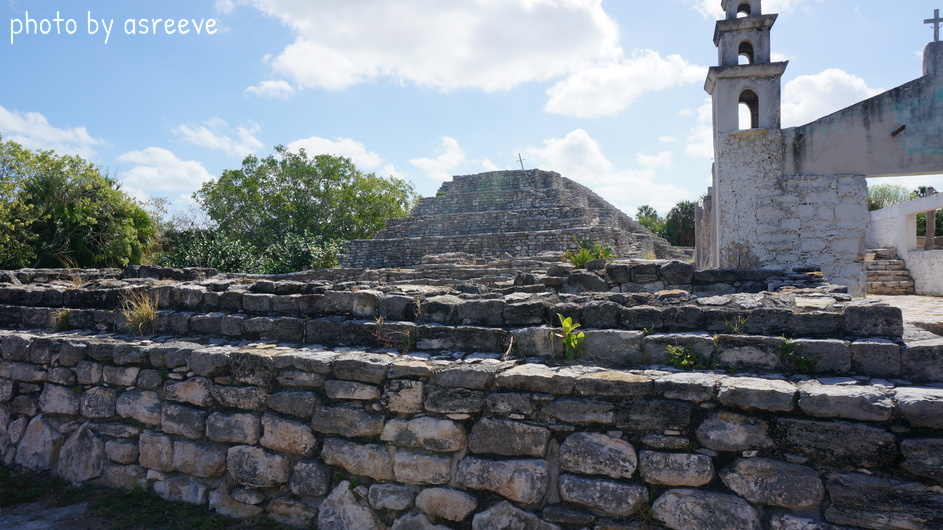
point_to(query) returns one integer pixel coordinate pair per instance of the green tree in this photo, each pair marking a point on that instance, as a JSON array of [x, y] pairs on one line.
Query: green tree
[[924, 191], [648, 217], [679, 225], [291, 211], [884, 195], [75, 215]]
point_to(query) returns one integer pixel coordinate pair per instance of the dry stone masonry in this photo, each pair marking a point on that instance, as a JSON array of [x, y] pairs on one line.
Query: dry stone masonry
[[402, 399], [516, 213]]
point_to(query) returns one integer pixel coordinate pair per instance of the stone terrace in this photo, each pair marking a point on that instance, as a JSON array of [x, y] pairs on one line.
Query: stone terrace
[[515, 213]]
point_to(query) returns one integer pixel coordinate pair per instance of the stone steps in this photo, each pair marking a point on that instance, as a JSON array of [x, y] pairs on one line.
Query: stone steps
[[887, 274]]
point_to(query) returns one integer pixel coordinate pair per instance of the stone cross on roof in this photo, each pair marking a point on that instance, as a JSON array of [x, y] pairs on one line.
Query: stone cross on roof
[[936, 21]]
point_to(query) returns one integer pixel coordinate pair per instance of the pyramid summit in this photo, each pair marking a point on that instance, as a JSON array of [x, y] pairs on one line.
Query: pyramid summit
[[520, 213]]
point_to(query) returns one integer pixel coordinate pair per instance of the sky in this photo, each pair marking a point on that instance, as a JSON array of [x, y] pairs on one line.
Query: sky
[[167, 95]]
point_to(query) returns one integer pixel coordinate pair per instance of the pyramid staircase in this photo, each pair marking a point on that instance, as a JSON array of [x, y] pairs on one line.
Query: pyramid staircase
[[887, 274]]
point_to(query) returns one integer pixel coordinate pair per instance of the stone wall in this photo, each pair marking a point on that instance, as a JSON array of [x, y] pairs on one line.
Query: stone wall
[[516, 213], [352, 439]]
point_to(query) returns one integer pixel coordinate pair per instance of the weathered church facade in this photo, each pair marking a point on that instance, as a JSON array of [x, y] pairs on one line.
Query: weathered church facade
[[796, 198]]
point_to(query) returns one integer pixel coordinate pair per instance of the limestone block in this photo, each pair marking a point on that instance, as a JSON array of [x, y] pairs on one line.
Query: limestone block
[[615, 499], [61, 375], [288, 436], [523, 481], [921, 407], [368, 460], [611, 346], [427, 433], [580, 411], [655, 345], [505, 515], [613, 383], [529, 313], [455, 401], [299, 379], [409, 367], [257, 303], [346, 421], [746, 351], [874, 502], [830, 355], [600, 314], [6, 390], [677, 272], [310, 478], [140, 405], [836, 443], [538, 378], [689, 386], [421, 468], [222, 503], [82, 457], [397, 307], [583, 282], [923, 457], [873, 320], [149, 380], [787, 521], [351, 390], [419, 521], [402, 396], [465, 375], [122, 451], [71, 353], [922, 360], [507, 403], [98, 403], [16, 347], [185, 421], [24, 372], [57, 399], [446, 503], [598, 454], [181, 489], [876, 357], [362, 304], [390, 497], [728, 431], [208, 324], [508, 438], [117, 430], [25, 405], [298, 404], [690, 508], [253, 367], [292, 512], [157, 451], [818, 324], [195, 391], [256, 467], [240, 428], [642, 415], [848, 402], [231, 326], [774, 483], [765, 321], [751, 393], [209, 362], [676, 469], [537, 342], [642, 318], [245, 397], [360, 366], [124, 477], [342, 510]]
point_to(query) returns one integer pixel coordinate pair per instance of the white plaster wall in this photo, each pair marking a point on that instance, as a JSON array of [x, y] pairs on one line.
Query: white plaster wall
[[926, 267], [885, 233], [787, 221]]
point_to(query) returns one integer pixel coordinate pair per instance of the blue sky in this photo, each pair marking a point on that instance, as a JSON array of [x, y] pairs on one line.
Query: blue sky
[[606, 92]]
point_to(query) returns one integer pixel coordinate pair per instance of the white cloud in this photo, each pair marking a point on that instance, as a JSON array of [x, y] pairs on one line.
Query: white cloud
[[280, 89], [33, 131], [346, 147], [486, 44], [218, 135], [667, 139], [160, 170], [700, 141], [809, 97], [579, 157], [451, 157], [608, 89], [660, 160]]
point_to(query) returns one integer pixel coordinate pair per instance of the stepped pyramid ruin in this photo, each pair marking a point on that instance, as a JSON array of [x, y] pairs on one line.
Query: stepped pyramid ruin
[[521, 213]]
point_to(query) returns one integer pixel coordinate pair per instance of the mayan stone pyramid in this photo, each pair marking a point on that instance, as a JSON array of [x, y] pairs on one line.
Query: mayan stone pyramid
[[520, 213]]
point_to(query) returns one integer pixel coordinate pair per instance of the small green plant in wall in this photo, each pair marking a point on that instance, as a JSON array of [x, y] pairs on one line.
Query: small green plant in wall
[[687, 358], [572, 339], [586, 251]]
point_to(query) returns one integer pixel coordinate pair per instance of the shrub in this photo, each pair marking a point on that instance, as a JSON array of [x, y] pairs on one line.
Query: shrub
[[586, 251], [687, 358], [572, 340]]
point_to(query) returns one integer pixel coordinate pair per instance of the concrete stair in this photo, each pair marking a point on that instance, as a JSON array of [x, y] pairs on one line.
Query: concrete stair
[[887, 274]]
